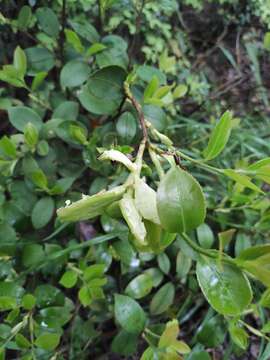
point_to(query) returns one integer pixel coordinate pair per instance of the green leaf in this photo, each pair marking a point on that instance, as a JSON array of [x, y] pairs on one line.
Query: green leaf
[[183, 264], [151, 88], [24, 17], [146, 201], [42, 212], [212, 331], [180, 202], [67, 110], [239, 336], [225, 287], [164, 263], [47, 341], [205, 236], [74, 73], [74, 40], [162, 299], [30, 135], [48, 21], [20, 61], [32, 254], [85, 29], [124, 343], [180, 91], [129, 314], [90, 206], [241, 179], [38, 80], [93, 272], [39, 179], [7, 148], [219, 136], [20, 116], [266, 41], [265, 299], [133, 218], [126, 127], [140, 286], [69, 279], [118, 156], [39, 59], [22, 342], [156, 116], [95, 48], [103, 92], [28, 302], [156, 276]]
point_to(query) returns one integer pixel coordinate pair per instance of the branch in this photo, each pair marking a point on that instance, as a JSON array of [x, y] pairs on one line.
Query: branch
[[138, 108]]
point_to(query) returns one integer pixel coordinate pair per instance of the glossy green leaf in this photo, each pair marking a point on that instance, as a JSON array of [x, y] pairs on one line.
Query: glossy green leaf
[[20, 116], [103, 92], [140, 286], [90, 206], [129, 314], [180, 202], [39, 59], [205, 236], [67, 110], [164, 263], [219, 136], [126, 126], [162, 299], [225, 287], [48, 21], [74, 73]]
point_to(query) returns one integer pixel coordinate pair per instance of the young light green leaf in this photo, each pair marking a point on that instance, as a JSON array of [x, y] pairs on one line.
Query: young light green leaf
[[225, 287], [129, 314], [20, 61], [42, 212], [219, 136], [241, 179], [146, 201], [115, 155], [133, 218], [151, 88], [180, 202], [69, 279], [90, 206]]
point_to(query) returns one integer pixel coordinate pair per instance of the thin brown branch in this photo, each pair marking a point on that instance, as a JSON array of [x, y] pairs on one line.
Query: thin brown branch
[[138, 108]]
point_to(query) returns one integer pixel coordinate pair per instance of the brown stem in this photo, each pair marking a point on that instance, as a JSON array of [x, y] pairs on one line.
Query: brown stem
[[138, 108]]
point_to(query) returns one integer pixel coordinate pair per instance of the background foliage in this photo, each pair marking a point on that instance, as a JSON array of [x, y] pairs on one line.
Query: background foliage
[[82, 290]]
